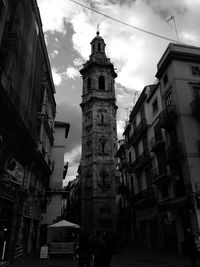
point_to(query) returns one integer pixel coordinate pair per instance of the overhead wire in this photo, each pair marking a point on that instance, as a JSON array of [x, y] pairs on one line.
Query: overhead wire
[[126, 24]]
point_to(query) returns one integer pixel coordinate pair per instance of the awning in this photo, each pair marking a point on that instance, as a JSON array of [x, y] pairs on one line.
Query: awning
[[64, 223]]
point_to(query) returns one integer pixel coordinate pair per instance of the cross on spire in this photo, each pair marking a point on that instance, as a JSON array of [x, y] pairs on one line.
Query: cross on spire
[[98, 29]]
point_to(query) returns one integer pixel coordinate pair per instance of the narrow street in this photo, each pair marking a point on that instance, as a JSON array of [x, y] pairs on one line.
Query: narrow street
[[130, 257]]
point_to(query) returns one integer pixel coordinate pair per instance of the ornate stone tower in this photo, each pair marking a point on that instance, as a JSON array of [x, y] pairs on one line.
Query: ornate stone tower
[[99, 140]]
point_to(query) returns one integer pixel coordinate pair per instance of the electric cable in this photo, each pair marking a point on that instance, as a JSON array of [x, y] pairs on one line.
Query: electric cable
[[124, 23]]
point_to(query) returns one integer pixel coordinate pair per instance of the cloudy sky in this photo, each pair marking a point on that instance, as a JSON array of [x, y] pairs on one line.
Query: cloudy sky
[[69, 28]]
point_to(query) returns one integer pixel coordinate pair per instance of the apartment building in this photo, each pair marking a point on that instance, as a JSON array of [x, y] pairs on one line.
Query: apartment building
[[55, 193], [162, 152], [27, 112], [179, 74]]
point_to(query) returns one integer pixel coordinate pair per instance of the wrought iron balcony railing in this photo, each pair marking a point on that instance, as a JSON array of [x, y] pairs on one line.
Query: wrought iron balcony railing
[[168, 117], [141, 127], [141, 160], [195, 105], [157, 143]]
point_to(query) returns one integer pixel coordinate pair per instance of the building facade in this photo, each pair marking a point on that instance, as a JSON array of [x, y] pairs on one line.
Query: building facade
[[178, 73], [55, 193], [27, 112], [99, 140], [161, 153]]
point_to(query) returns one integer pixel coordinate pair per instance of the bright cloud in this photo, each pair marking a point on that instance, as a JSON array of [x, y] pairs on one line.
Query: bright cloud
[[78, 61], [72, 73], [73, 158], [134, 53], [130, 50], [57, 77], [54, 54]]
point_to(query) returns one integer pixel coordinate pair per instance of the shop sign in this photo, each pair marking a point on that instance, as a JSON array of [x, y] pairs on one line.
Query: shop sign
[[17, 172]]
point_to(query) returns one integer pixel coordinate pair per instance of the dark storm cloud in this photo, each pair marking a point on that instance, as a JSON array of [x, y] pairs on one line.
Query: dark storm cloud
[[122, 2], [71, 113], [96, 5], [165, 10]]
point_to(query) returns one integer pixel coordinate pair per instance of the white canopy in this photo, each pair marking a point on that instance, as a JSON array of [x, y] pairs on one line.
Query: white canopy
[[64, 223]]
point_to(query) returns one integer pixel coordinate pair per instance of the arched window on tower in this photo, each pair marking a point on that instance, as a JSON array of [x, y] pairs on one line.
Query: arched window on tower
[[102, 146], [101, 82], [102, 118], [93, 48], [99, 47], [88, 85]]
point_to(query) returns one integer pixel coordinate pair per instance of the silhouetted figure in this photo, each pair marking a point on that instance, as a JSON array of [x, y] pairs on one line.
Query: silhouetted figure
[[83, 248], [191, 247], [99, 250], [109, 247]]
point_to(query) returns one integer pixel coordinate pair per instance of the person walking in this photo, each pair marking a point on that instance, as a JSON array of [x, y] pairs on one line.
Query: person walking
[[109, 247], [83, 250], [99, 250], [191, 247]]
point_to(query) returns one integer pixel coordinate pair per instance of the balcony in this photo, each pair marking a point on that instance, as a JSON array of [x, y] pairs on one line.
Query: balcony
[[143, 159], [195, 105], [10, 41], [157, 144], [168, 117], [142, 126], [123, 189], [174, 153], [144, 196], [122, 165], [160, 175], [11, 37]]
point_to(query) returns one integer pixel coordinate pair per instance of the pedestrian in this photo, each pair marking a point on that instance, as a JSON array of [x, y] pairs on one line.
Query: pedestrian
[[197, 242], [99, 250], [191, 247], [109, 247], [83, 250]]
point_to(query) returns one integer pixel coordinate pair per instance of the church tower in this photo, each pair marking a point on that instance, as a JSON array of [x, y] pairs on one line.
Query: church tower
[[99, 140]]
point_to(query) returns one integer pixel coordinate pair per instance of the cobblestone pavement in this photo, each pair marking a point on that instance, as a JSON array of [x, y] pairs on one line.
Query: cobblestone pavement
[[130, 257]]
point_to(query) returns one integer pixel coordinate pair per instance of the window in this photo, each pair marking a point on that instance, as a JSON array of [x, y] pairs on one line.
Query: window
[[89, 85], [157, 132], [136, 147], [155, 105], [169, 103], [130, 157], [99, 47], [132, 184], [104, 175], [139, 183], [142, 113], [165, 79], [196, 90], [145, 143], [134, 125], [164, 191], [195, 70], [148, 175], [2, 6], [102, 118], [93, 48], [102, 148], [101, 83]]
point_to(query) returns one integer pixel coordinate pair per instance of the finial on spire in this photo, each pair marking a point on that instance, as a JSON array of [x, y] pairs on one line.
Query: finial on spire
[[98, 29]]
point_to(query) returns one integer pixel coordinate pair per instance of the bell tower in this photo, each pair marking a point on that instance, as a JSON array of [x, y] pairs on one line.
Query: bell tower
[[99, 140]]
